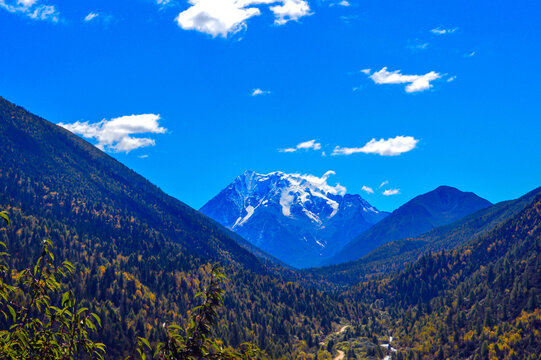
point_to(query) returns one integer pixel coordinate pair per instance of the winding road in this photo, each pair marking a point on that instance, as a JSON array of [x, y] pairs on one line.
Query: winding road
[[341, 354]]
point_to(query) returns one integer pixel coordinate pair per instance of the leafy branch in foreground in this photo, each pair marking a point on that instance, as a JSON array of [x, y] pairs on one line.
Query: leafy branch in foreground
[[35, 328], [195, 342]]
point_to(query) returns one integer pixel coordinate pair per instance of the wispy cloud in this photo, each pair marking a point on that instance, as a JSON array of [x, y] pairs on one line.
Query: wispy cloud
[[115, 135], [367, 189], [164, 2], [451, 79], [390, 147], [91, 16], [416, 45], [441, 31], [307, 145], [256, 92], [97, 17], [31, 8], [224, 17], [416, 82], [391, 192], [469, 55], [344, 3], [384, 183]]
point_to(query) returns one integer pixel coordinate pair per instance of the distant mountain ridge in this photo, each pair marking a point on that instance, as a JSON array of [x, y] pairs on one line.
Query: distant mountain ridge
[[396, 255], [299, 219], [441, 206]]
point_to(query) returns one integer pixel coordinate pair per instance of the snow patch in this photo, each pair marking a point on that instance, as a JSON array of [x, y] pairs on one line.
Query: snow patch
[[312, 216], [285, 202]]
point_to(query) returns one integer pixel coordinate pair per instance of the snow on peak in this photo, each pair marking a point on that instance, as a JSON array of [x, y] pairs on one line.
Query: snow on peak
[[291, 214], [317, 183], [296, 194], [302, 180]]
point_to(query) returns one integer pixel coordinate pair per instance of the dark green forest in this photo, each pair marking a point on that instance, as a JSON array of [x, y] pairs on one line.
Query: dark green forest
[[140, 255], [468, 290]]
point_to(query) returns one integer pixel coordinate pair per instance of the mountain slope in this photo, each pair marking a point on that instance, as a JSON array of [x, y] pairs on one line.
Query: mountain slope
[[141, 255], [299, 219], [480, 300], [395, 255], [441, 206]]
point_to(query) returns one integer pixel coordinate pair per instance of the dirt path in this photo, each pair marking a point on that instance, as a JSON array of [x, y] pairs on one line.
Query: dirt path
[[340, 355], [342, 329]]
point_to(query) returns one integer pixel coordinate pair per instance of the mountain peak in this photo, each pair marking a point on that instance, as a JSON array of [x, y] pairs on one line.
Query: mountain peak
[[279, 209], [440, 206]]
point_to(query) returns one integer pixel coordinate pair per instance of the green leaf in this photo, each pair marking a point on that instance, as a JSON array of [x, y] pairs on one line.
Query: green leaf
[[142, 354], [12, 312], [81, 310], [4, 215], [65, 298], [145, 342], [97, 318]]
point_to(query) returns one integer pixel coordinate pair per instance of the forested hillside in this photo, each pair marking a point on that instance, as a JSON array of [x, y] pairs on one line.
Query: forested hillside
[[438, 207], [477, 301], [467, 290], [140, 255], [396, 255]]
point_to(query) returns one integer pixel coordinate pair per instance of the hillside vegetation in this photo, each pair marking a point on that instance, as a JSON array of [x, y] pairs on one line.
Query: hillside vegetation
[[140, 255]]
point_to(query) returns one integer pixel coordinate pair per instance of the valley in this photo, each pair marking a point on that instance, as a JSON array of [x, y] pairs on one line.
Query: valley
[[448, 274]]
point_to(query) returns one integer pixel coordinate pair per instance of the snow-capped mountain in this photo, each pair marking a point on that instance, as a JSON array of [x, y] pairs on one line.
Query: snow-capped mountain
[[299, 219]]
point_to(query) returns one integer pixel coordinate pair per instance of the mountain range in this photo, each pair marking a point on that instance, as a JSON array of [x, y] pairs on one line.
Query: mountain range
[[441, 206], [396, 255], [447, 275], [305, 222], [299, 219]]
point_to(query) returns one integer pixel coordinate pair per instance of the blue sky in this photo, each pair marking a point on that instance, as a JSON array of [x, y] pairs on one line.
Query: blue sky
[[453, 89]]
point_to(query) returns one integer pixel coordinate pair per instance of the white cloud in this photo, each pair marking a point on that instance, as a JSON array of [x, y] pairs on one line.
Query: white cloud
[[307, 145], [416, 82], [344, 3], [366, 71], [116, 134], [223, 17], [91, 16], [389, 147], [288, 150], [440, 31], [368, 190], [290, 10], [390, 192], [470, 54], [321, 183], [384, 183], [32, 9], [312, 144], [256, 92], [451, 79], [27, 2]]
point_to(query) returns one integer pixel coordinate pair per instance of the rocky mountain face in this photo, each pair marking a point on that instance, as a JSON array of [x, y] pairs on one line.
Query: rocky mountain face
[[300, 219]]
